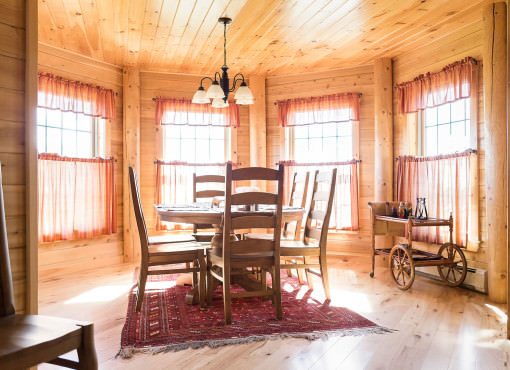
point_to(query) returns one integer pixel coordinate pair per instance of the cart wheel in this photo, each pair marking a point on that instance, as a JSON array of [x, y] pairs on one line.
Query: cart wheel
[[402, 267], [453, 273]]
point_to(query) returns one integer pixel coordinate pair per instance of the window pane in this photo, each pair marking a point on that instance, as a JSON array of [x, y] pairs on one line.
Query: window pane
[[173, 150], [203, 132], [345, 129], [444, 142], [459, 137], [84, 123], [69, 143], [300, 131], [430, 116], [329, 129], [301, 150], [315, 131], [315, 152], [54, 140], [41, 139], [53, 118], [443, 113], [172, 131], [218, 133], [345, 149], [458, 110], [84, 147], [188, 150], [188, 132], [69, 120], [41, 116], [217, 151], [431, 140], [202, 151]]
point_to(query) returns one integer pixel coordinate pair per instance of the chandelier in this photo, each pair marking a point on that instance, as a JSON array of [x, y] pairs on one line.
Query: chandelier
[[220, 86]]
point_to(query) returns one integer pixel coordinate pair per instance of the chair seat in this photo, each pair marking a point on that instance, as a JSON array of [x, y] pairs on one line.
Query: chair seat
[[263, 236], [166, 238], [193, 247], [298, 248], [31, 339]]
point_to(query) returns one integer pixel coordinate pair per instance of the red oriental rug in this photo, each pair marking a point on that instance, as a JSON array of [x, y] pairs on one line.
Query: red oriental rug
[[167, 323]]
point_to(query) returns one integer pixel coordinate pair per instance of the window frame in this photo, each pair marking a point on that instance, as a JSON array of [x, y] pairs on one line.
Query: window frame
[[99, 147], [473, 127]]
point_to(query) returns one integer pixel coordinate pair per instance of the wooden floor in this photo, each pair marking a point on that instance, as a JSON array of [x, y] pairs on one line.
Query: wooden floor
[[436, 327]]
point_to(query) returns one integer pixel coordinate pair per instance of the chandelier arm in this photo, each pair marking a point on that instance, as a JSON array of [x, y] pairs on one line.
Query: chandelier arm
[[205, 78], [238, 77], [217, 76]]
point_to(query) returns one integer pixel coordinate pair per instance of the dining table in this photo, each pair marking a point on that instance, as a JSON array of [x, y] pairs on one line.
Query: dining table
[[199, 213]]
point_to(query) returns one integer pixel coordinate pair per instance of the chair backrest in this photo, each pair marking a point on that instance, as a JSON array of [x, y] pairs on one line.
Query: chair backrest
[[262, 219], [137, 206], [299, 189], [317, 218], [206, 193], [6, 290], [382, 227]]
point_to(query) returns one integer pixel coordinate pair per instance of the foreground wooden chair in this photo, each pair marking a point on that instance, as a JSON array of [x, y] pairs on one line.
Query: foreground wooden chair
[[315, 237], [231, 260], [28, 340], [190, 253], [205, 194]]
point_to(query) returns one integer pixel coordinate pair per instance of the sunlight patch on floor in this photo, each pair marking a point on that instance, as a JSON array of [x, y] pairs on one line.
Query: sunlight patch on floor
[[104, 293]]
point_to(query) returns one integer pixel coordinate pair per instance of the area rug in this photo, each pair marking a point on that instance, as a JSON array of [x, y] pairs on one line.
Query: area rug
[[167, 323]]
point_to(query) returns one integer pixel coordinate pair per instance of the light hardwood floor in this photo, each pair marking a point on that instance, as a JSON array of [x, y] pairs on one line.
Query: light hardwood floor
[[436, 327]]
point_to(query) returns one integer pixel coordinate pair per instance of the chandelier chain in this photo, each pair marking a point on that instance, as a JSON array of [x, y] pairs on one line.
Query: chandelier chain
[[225, 43]]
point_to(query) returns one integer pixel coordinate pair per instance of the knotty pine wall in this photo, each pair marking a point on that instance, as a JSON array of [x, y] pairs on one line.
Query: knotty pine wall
[[361, 80], [12, 138], [103, 250], [466, 42], [178, 86]]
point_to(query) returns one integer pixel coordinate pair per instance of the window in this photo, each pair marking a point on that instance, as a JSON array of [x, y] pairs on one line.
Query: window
[[196, 144], [446, 128], [70, 134]]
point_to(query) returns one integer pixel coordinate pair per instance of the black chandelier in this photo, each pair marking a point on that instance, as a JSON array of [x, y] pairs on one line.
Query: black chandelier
[[220, 86]]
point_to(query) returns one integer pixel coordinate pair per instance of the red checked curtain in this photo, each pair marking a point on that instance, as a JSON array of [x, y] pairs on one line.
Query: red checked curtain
[[76, 198], [453, 82], [74, 96], [319, 109], [445, 183], [184, 112], [344, 215]]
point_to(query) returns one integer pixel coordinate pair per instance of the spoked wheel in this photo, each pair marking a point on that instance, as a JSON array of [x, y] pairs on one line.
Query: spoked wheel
[[402, 266], [452, 273]]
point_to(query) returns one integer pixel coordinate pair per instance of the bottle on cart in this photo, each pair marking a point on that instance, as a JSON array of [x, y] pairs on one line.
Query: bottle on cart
[[401, 210]]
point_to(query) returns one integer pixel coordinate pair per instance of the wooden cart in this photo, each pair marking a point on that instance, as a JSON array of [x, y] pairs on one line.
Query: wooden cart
[[403, 258]]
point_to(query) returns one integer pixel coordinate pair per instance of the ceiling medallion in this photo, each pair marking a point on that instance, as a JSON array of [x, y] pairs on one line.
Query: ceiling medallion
[[220, 85]]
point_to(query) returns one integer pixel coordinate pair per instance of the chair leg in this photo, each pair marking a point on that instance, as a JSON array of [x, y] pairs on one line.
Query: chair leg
[[373, 257], [309, 275], [324, 275], [210, 283], [277, 294], [87, 358], [227, 304], [203, 273], [142, 280], [195, 285]]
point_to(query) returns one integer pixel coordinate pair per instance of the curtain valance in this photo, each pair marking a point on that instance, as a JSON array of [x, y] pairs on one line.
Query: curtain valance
[[452, 83], [319, 109], [184, 112], [74, 96]]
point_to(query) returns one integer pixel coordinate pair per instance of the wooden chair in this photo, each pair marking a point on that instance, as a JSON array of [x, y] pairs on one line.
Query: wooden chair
[[231, 259], [384, 228], [28, 340], [315, 237], [190, 253], [205, 194]]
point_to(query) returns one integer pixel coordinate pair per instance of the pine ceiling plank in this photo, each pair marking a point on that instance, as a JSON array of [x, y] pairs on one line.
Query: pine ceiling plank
[[91, 22], [149, 31], [136, 14], [166, 20]]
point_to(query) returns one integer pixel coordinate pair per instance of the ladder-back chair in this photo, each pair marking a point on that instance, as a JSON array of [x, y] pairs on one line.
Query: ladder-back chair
[[315, 237], [205, 194], [233, 257]]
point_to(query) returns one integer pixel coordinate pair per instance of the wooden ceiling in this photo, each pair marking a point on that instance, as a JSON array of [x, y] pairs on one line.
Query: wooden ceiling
[[272, 37]]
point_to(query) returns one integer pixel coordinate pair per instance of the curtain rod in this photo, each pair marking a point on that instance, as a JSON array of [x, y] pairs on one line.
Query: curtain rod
[[181, 163], [277, 101], [440, 156], [321, 163]]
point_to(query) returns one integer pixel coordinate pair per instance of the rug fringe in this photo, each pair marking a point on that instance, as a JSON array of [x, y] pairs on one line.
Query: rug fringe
[[128, 352]]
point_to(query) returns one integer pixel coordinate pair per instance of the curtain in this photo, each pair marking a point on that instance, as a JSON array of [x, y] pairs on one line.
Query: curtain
[[174, 185], [445, 182], [321, 109], [74, 96], [76, 198], [184, 112], [452, 83], [344, 215]]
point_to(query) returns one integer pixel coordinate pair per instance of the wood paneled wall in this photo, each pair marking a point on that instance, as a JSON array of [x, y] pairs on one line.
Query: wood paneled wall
[[12, 138], [178, 86], [466, 42], [361, 80], [107, 249]]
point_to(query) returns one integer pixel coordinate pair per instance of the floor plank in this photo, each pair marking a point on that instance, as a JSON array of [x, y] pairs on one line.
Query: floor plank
[[436, 327]]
